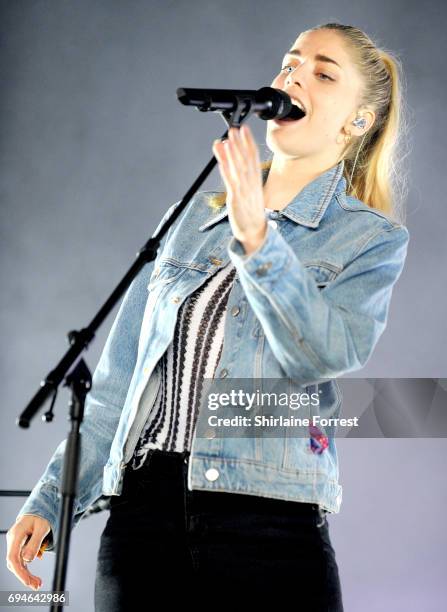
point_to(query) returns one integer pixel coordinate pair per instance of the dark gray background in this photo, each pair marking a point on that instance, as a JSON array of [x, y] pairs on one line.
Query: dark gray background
[[95, 147]]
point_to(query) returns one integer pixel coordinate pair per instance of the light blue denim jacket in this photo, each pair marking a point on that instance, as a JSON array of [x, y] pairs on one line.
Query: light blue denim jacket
[[312, 302]]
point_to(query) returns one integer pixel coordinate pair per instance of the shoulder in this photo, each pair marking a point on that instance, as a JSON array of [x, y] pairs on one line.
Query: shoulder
[[367, 222], [350, 204], [196, 210]]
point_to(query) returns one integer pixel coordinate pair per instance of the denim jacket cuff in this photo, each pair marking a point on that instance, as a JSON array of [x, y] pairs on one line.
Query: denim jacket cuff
[[266, 262]]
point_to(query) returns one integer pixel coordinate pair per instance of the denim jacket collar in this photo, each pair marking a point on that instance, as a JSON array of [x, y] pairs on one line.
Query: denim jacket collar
[[309, 205]]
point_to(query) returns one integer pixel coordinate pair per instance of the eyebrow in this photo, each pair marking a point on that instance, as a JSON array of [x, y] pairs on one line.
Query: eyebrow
[[318, 57]]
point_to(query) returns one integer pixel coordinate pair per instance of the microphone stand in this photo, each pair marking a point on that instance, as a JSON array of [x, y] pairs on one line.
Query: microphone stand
[[80, 380]]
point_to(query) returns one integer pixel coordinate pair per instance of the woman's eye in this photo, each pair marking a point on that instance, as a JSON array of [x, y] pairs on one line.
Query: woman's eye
[[325, 75], [322, 73]]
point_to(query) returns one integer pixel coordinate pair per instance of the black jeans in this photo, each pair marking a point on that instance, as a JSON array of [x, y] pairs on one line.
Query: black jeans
[[163, 541]]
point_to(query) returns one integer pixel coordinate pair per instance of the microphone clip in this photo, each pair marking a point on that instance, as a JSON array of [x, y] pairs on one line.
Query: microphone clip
[[235, 118]]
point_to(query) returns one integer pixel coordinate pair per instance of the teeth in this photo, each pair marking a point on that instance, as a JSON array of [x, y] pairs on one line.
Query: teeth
[[298, 103]]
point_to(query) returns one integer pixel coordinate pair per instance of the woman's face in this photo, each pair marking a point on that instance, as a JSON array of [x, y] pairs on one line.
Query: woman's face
[[329, 94]]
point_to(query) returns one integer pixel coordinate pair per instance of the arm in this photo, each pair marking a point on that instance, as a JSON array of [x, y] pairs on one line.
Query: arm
[[103, 406], [316, 333]]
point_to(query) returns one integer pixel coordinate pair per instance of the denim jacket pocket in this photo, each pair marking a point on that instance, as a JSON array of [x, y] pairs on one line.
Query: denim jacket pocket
[[164, 273], [160, 280], [323, 272]]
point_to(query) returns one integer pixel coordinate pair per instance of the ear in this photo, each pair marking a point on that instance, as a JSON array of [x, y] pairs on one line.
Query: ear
[[364, 113]]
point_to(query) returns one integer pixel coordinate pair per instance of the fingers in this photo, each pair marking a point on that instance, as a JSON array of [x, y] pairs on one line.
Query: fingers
[[239, 156], [23, 542], [219, 149], [235, 164], [33, 545], [15, 562], [235, 159], [250, 144]]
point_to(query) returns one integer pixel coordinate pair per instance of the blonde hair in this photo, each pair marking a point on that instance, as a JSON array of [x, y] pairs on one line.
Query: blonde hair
[[373, 160]]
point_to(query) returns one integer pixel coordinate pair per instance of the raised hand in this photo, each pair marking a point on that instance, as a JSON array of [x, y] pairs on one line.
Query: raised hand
[[240, 168]]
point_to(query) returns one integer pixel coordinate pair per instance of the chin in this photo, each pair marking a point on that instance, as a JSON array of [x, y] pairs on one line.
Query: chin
[[278, 144]]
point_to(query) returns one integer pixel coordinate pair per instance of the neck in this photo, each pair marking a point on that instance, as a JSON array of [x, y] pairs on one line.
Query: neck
[[287, 177]]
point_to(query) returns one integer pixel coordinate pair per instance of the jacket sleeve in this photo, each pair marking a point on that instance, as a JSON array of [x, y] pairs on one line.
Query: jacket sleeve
[[321, 334], [102, 410]]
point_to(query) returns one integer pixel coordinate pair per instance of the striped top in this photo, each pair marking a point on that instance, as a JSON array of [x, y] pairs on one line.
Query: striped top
[[192, 356]]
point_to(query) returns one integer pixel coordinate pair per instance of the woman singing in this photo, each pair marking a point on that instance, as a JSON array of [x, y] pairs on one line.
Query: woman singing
[[288, 274]]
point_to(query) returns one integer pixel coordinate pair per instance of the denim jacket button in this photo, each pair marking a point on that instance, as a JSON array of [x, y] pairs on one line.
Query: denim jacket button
[[175, 299], [215, 261], [272, 223], [223, 373], [212, 474], [262, 269], [210, 434], [235, 311]]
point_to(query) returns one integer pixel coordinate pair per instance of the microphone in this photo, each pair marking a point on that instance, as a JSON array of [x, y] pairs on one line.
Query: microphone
[[267, 102]]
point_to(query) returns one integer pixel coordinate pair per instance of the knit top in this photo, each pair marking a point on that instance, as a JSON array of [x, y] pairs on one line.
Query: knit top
[[192, 356]]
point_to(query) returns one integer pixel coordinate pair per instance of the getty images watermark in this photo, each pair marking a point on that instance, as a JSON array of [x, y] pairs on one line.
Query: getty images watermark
[[342, 407], [248, 402]]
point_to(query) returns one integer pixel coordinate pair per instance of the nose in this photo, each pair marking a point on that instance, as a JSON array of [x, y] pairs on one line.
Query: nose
[[289, 75], [291, 82]]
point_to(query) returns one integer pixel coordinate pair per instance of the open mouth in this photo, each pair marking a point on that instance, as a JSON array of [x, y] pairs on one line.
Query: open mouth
[[296, 113], [296, 102], [289, 119]]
